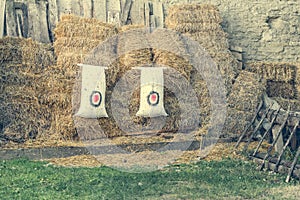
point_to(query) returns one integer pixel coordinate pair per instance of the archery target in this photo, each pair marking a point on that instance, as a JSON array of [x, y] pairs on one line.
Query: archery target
[[92, 102], [152, 90], [153, 98], [96, 99]]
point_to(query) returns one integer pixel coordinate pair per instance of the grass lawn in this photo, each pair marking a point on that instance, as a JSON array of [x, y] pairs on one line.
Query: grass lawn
[[226, 179]]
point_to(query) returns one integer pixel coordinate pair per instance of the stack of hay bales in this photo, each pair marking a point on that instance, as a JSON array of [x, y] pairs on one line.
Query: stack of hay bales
[[281, 78], [23, 78], [75, 38], [66, 70], [247, 93], [202, 23]]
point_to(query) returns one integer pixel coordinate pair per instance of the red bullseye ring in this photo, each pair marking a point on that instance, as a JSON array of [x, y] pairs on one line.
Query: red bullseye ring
[[96, 99], [153, 98]]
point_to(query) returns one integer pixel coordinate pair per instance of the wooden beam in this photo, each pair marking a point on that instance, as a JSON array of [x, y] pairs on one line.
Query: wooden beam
[[137, 14], [250, 124], [158, 12], [147, 14], [285, 146], [266, 133], [275, 141], [126, 12], [288, 178], [53, 17], [100, 10], [11, 20], [37, 21], [257, 128], [2, 17], [279, 144], [283, 168], [87, 8]]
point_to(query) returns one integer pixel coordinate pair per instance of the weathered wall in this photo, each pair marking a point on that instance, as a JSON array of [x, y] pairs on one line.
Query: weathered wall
[[266, 30]]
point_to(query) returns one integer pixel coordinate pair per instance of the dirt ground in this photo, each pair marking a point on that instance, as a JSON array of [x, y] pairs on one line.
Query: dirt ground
[[218, 152]]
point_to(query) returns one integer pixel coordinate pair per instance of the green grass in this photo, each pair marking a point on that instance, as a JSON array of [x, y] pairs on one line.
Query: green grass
[[24, 179]]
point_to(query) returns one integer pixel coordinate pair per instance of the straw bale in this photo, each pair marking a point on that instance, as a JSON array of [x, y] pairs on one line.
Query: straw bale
[[284, 103], [24, 120], [125, 28], [17, 76], [76, 19], [136, 58], [204, 100], [235, 123], [196, 16], [284, 72], [194, 27], [74, 26], [281, 89], [25, 51], [66, 44], [192, 7], [246, 93], [210, 41], [208, 33], [37, 54], [23, 78], [63, 125], [171, 60]]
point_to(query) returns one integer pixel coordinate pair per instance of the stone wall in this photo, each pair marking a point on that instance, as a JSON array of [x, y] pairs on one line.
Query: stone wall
[[266, 30]]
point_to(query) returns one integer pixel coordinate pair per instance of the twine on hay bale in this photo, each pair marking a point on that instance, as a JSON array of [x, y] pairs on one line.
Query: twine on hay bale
[[282, 78], [272, 71]]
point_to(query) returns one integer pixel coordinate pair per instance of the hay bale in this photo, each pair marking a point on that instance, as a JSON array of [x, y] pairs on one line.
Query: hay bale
[[213, 41], [74, 26], [24, 120], [194, 13], [19, 74], [281, 78], [281, 89], [284, 103], [62, 125], [25, 51], [75, 38], [208, 32], [283, 72], [171, 60], [236, 122], [22, 77], [194, 27], [125, 28], [75, 44], [246, 93]]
